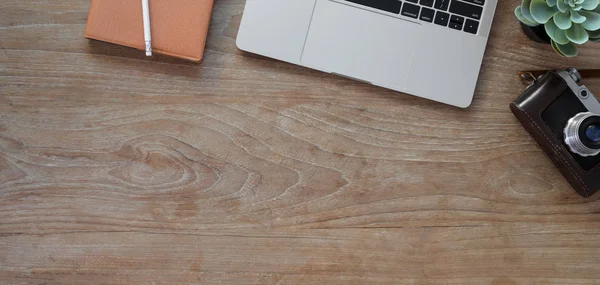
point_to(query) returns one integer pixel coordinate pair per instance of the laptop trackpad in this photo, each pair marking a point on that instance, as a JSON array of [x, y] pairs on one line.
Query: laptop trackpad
[[362, 44]]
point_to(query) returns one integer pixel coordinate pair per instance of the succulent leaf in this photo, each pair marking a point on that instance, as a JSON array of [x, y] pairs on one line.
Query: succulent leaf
[[568, 50], [551, 3], [540, 11], [594, 34], [563, 20], [525, 10], [519, 14], [590, 4], [593, 20], [577, 18], [577, 34], [562, 6], [556, 34]]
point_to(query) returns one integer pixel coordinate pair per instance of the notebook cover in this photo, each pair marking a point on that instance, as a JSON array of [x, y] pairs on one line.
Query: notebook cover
[[179, 27]]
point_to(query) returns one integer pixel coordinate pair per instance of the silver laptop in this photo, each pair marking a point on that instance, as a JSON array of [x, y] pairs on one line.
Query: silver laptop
[[428, 48]]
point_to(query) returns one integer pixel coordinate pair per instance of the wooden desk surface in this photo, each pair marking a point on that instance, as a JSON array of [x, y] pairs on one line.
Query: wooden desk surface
[[119, 169]]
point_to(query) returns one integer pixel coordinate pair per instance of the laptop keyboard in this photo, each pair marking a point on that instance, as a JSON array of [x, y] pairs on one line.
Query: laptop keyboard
[[458, 15]]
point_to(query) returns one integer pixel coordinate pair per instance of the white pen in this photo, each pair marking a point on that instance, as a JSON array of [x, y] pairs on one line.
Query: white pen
[[147, 33]]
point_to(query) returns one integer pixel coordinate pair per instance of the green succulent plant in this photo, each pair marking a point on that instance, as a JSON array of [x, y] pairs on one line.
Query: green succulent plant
[[568, 22]]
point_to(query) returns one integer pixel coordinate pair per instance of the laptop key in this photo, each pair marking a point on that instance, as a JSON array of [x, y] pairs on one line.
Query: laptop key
[[428, 3], [455, 26], [410, 10], [413, 1], [478, 2], [385, 5], [442, 18], [457, 19], [456, 22], [427, 15], [467, 10], [442, 4], [471, 26]]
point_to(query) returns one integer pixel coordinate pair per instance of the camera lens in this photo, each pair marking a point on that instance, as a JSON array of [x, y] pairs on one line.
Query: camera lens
[[582, 134], [592, 132]]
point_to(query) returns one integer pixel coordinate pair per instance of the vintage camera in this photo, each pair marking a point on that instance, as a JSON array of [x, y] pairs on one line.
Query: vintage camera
[[564, 118]]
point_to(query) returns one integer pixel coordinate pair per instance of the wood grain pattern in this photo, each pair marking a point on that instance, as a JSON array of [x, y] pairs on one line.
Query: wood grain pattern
[[117, 169]]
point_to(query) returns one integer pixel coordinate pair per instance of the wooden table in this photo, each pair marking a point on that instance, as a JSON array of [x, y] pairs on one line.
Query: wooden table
[[118, 169]]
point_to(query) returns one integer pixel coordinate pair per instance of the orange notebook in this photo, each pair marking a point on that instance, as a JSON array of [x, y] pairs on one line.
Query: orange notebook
[[179, 27]]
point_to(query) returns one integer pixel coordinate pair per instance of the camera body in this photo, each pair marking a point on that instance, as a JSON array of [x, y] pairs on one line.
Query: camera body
[[564, 118]]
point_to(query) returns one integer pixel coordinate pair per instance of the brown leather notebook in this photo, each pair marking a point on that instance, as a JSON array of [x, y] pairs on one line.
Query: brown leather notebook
[[179, 27]]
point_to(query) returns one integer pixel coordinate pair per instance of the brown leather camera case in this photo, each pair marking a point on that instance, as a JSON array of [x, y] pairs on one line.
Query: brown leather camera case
[[528, 109]]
